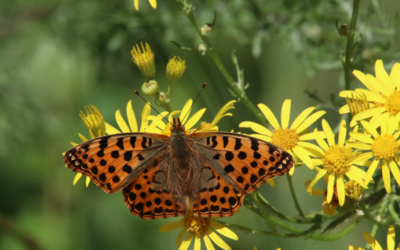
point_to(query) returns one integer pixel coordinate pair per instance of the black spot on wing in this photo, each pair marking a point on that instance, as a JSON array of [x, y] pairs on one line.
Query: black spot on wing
[[225, 140]]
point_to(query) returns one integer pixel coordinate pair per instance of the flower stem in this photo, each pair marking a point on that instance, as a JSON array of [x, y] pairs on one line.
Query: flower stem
[[392, 210], [262, 210], [349, 46], [239, 92], [296, 202]]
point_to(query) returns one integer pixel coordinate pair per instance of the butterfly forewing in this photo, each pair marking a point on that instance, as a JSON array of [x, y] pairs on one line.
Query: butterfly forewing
[[113, 161]]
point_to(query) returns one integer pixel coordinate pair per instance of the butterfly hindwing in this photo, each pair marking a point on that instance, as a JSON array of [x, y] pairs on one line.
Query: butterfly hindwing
[[244, 161], [113, 161], [149, 196], [216, 197]]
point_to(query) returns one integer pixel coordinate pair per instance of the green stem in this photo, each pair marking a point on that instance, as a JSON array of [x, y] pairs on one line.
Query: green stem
[[294, 197], [367, 214], [296, 232], [262, 210], [349, 46], [392, 210], [240, 93]]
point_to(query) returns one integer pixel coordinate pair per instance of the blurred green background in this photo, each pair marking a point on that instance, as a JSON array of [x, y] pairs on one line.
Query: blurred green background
[[58, 56]]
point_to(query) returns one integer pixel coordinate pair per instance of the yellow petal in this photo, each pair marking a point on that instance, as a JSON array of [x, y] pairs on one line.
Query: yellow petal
[[87, 181], [209, 245], [340, 189], [285, 113], [312, 149], [77, 177], [395, 75], [153, 4], [185, 111], [371, 96], [221, 113], [344, 109], [361, 137], [194, 119], [384, 127], [145, 113], [110, 130], [369, 128], [360, 159], [386, 175], [382, 76], [131, 117], [310, 120], [197, 243], [358, 145], [394, 124], [347, 93], [256, 128], [82, 137], [374, 244], [186, 242], [300, 118], [262, 137], [136, 4], [179, 237], [381, 88], [271, 182], [320, 141], [367, 114], [155, 122], [220, 242], [342, 133], [395, 171], [121, 122], [311, 136], [354, 177], [390, 237], [223, 230], [172, 115], [355, 248], [302, 154], [363, 78], [269, 115], [317, 177], [314, 191], [330, 136], [331, 183], [371, 171], [171, 226]]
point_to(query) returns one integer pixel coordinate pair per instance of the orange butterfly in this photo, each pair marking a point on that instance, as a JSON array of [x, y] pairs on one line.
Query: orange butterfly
[[162, 176]]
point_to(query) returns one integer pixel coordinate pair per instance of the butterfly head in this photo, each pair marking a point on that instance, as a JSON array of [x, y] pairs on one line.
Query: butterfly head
[[177, 127]]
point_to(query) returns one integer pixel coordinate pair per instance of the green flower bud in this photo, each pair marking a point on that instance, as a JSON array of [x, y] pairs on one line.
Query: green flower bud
[[175, 68], [206, 29], [150, 88], [162, 97]]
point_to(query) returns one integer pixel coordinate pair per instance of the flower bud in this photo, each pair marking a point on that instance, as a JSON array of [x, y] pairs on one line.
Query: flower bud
[[162, 97], [94, 121], [353, 189], [206, 29], [144, 59], [175, 68], [344, 30], [150, 88], [202, 49]]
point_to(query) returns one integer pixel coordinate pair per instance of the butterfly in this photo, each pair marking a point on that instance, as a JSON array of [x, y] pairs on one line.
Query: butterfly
[[162, 176]]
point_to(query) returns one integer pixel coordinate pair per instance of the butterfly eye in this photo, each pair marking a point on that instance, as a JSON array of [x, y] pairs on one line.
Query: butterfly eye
[[182, 128]]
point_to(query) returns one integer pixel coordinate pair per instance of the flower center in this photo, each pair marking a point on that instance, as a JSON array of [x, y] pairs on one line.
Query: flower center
[[285, 138], [204, 125], [385, 147], [393, 103], [336, 159], [196, 225]]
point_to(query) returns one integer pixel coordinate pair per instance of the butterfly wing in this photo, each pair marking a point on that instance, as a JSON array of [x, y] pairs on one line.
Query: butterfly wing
[[113, 161], [239, 164]]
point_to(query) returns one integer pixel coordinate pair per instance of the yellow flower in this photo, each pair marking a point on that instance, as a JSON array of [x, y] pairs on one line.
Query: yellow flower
[[337, 161], [153, 4], [374, 244], [199, 228], [133, 126], [175, 68], [291, 139], [144, 59], [383, 94], [383, 148], [94, 121], [159, 127]]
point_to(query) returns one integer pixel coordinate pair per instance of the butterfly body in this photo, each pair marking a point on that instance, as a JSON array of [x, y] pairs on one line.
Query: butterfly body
[[162, 176]]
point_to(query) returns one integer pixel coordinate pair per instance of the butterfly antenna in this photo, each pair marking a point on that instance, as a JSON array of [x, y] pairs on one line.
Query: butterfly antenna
[[202, 87], [137, 93]]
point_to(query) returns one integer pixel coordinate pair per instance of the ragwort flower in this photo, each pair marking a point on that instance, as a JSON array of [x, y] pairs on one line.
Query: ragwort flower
[[383, 148], [338, 161], [290, 138], [383, 94], [153, 4], [199, 228], [374, 244]]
